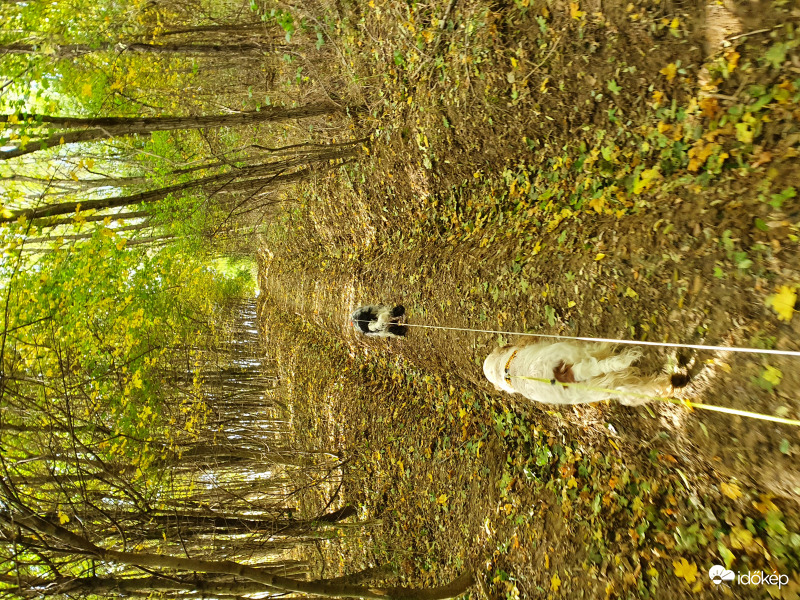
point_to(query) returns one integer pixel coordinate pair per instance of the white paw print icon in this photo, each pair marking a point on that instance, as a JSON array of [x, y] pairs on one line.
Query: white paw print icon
[[718, 574]]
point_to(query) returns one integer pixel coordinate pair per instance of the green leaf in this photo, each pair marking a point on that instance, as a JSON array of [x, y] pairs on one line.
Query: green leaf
[[726, 555], [775, 522], [776, 55]]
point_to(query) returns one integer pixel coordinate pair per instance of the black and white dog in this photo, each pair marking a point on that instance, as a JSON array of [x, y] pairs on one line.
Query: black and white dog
[[380, 320], [595, 367]]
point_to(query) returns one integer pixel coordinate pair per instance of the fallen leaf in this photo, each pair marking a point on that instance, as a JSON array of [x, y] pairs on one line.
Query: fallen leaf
[[731, 490], [783, 302], [685, 569], [669, 71], [772, 375], [555, 582]]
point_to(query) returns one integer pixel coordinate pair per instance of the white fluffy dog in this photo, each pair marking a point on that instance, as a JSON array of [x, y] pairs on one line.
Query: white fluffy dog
[[595, 365]]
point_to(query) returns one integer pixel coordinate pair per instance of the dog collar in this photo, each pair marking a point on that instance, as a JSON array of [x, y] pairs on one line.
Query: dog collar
[[506, 374]]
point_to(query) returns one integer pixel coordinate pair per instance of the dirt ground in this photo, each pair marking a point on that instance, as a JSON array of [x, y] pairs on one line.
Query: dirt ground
[[598, 169]]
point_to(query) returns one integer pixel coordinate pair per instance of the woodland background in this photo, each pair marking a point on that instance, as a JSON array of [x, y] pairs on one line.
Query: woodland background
[[196, 194]]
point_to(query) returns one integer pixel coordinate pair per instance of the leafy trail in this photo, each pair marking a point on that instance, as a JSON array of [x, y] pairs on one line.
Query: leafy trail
[[449, 468], [520, 178]]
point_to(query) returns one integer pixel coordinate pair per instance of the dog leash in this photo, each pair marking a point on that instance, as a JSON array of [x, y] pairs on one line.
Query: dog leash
[[687, 403], [615, 341], [722, 409]]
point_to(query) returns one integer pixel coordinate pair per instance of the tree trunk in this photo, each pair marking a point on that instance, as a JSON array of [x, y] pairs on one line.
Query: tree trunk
[[219, 181], [90, 130], [158, 561], [63, 51]]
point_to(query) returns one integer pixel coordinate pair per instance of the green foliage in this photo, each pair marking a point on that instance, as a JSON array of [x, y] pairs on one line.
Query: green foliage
[[104, 320]]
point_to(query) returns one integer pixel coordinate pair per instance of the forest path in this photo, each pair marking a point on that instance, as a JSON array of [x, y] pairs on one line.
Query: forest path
[[583, 451], [561, 170]]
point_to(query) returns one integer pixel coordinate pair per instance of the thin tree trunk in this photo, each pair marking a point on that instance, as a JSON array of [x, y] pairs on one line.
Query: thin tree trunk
[[90, 130], [62, 51], [219, 181]]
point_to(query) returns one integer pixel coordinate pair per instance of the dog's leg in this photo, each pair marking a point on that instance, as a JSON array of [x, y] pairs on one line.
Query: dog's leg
[[642, 388], [618, 361]]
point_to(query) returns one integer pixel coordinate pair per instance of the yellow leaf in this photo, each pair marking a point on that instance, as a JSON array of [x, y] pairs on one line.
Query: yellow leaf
[[709, 106], [674, 23], [723, 365], [766, 505], [783, 302], [86, 90], [543, 87], [442, 499], [63, 517], [597, 204], [658, 96], [744, 133], [731, 490], [772, 375], [570, 304], [741, 538], [685, 569], [645, 180], [733, 60], [555, 583], [669, 71], [637, 505], [574, 11], [600, 256], [13, 119], [631, 293]]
